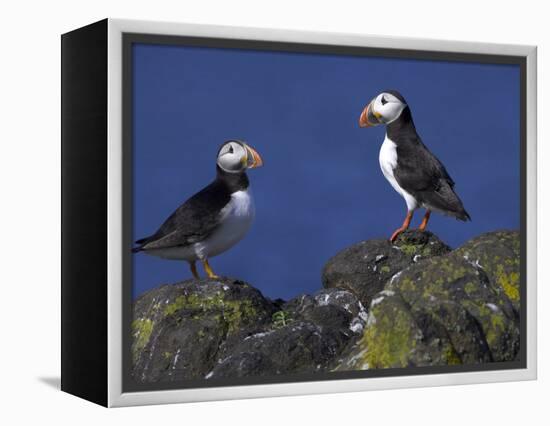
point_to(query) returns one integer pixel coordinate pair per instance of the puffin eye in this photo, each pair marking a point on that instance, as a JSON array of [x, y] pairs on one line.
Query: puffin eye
[[383, 100], [230, 149]]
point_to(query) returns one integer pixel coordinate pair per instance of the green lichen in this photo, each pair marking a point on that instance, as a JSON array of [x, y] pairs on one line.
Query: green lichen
[[495, 328], [509, 282], [450, 355], [142, 329], [235, 313], [405, 283], [410, 249], [435, 279], [492, 320], [181, 302], [232, 312], [385, 269], [422, 250], [498, 254], [389, 340], [470, 287]]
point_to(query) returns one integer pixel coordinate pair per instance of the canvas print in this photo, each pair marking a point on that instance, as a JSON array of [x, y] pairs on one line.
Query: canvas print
[[308, 216]]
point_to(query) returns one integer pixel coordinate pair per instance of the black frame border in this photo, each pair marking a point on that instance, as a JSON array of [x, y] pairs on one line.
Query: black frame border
[[129, 39], [84, 235]]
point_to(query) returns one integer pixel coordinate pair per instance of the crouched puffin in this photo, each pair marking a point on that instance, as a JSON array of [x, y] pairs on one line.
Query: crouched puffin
[[214, 219], [412, 170]]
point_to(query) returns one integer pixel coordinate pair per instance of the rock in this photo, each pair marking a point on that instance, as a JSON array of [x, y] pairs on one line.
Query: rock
[[334, 308], [180, 329], [446, 310], [298, 348], [427, 306], [498, 254], [226, 328], [312, 331], [365, 267]]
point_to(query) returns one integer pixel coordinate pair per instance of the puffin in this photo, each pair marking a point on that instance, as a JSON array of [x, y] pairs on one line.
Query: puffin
[[409, 166], [214, 219]]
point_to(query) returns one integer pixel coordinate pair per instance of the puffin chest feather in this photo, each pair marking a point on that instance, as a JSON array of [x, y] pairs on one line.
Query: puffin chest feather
[[388, 161], [235, 221], [388, 164]]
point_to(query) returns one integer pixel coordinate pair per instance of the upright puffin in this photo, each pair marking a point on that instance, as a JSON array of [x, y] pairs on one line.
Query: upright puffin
[[412, 170], [214, 219]]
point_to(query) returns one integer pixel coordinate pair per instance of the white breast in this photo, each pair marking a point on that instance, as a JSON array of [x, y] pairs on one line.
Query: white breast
[[388, 163], [235, 221]]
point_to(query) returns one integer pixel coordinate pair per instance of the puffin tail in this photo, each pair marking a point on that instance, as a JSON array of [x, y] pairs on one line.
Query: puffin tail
[[463, 215], [445, 201], [141, 242]]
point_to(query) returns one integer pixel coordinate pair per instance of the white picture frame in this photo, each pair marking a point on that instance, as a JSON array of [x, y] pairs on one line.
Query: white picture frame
[[115, 394]]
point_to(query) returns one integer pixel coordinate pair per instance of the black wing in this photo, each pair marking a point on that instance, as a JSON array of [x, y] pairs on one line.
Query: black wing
[[193, 221], [421, 174], [418, 169]]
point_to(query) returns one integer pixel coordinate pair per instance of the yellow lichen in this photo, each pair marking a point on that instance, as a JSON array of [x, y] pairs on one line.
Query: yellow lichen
[[142, 329], [233, 312], [388, 340], [451, 356], [509, 283]]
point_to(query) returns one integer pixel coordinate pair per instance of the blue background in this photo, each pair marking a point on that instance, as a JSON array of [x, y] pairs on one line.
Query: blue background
[[321, 188]]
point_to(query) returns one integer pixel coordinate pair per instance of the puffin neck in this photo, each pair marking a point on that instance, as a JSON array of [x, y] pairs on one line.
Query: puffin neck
[[233, 181], [401, 125]]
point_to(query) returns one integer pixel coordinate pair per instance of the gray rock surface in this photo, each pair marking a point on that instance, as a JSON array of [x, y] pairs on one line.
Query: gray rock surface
[[442, 311], [412, 303], [181, 329], [226, 328], [365, 267], [317, 328]]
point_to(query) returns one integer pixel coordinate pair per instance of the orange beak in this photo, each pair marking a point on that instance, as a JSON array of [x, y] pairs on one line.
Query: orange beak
[[363, 121], [254, 159]]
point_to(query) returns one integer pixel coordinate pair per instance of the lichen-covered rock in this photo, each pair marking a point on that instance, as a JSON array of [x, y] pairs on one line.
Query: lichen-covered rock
[[445, 310], [498, 254], [365, 267], [427, 306], [305, 337], [226, 328], [179, 330]]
